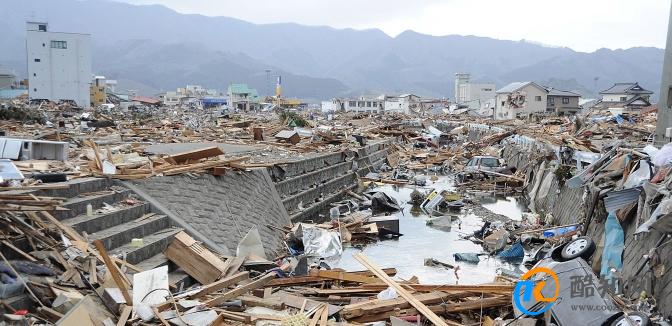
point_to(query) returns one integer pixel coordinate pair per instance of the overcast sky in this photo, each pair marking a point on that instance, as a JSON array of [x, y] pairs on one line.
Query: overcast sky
[[584, 25]]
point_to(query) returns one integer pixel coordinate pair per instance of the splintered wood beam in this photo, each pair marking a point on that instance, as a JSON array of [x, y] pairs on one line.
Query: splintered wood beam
[[195, 155], [240, 290], [114, 271], [435, 319]]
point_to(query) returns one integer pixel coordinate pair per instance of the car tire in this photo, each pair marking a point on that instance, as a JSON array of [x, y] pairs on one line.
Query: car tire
[[638, 318], [583, 247]]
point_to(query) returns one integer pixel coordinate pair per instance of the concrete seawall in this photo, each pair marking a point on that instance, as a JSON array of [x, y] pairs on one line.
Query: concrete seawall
[[220, 210]]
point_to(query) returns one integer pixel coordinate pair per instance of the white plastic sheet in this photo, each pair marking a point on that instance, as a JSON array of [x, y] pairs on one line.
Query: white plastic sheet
[[251, 245], [321, 243], [664, 208], [637, 177], [663, 156], [387, 294]]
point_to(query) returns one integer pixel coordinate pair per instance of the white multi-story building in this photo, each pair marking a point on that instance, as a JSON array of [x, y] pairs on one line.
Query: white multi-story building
[[59, 65], [466, 91], [361, 104], [519, 100], [406, 103]]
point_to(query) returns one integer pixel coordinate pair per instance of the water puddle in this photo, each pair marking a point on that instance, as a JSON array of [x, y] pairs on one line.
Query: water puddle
[[408, 253], [511, 207]]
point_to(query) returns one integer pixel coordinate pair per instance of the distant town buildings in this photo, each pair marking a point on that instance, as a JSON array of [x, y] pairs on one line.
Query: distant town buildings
[[519, 100], [625, 97], [59, 65], [193, 95], [561, 102], [466, 91], [523, 99], [242, 97], [7, 78], [405, 103]]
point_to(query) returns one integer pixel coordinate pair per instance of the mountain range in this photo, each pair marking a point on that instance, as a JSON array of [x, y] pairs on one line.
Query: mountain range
[[151, 48]]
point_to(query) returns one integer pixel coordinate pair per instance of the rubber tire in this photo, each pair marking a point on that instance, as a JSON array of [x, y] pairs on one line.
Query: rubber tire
[[585, 253], [645, 319]]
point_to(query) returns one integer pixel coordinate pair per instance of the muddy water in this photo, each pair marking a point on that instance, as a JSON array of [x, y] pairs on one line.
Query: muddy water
[[420, 241]]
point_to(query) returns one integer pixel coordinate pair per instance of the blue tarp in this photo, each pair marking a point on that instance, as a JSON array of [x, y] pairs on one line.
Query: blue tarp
[[613, 247], [515, 252]]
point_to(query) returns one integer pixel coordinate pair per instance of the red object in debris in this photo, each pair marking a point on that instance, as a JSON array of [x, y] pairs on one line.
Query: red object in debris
[[21, 312], [410, 319]]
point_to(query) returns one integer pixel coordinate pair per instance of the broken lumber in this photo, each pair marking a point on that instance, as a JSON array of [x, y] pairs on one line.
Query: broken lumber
[[436, 320], [240, 290], [196, 260]]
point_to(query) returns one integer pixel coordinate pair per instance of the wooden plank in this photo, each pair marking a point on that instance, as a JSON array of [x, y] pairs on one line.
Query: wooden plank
[[221, 284], [297, 302], [49, 314], [240, 290], [325, 317], [196, 260], [477, 288], [377, 306], [436, 320], [291, 281], [270, 303], [125, 313], [114, 271], [195, 155], [19, 251], [343, 276], [317, 315]]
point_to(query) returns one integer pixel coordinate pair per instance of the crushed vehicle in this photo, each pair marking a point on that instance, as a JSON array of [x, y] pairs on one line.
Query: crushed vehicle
[[482, 167], [581, 298]]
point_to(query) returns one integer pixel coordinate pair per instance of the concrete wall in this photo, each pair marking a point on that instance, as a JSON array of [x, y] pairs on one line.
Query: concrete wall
[[307, 187], [224, 208]]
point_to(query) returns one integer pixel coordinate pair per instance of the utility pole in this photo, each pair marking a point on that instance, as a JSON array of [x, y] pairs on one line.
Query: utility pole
[[664, 100], [268, 82]]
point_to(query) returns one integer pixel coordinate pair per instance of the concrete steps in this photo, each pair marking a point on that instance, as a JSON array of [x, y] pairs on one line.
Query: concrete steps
[[152, 244], [100, 221], [120, 222], [122, 234], [77, 205]]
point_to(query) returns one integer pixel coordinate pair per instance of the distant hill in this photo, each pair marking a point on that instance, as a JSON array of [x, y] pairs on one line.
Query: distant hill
[[155, 48]]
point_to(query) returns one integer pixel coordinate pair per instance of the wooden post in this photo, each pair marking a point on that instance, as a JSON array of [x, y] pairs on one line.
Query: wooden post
[[114, 271]]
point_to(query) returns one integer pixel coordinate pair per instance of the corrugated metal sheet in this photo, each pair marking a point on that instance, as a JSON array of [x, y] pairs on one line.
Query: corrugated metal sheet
[[621, 198]]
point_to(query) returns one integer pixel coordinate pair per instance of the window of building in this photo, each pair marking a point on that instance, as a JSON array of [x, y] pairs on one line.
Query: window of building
[[34, 75], [59, 44], [42, 27], [486, 89], [503, 103], [565, 100], [34, 89], [360, 104], [43, 45], [537, 98], [352, 103], [624, 98], [368, 104], [551, 101], [37, 60]]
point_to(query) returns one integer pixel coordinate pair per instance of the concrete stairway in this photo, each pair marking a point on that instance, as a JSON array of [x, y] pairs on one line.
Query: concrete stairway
[[119, 216]]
